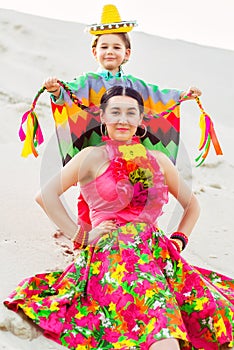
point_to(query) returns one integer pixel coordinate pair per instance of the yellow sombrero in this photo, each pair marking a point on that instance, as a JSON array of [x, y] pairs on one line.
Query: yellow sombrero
[[111, 22]]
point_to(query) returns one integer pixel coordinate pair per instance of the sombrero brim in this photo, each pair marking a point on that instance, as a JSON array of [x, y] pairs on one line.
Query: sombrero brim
[[117, 27]]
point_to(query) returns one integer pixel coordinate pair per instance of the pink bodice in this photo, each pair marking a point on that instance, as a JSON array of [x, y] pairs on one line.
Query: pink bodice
[[130, 189]]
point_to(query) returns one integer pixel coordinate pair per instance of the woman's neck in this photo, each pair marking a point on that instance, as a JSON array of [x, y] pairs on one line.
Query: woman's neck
[[134, 139]]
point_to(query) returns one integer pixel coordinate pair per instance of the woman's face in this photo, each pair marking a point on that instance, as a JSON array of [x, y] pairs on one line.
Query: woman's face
[[121, 117], [110, 52]]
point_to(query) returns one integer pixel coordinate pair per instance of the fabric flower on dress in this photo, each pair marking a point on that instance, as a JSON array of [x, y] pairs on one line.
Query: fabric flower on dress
[[140, 195], [133, 169], [143, 176], [132, 151]]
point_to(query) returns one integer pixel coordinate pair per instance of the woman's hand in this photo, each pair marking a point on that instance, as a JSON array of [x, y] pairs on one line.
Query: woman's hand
[[103, 228], [51, 84], [192, 91]]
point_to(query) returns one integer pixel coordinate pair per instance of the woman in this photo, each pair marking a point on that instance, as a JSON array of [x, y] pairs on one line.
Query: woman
[[128, 287]]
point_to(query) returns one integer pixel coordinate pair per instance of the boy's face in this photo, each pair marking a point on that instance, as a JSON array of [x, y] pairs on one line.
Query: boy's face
[[110, 52]]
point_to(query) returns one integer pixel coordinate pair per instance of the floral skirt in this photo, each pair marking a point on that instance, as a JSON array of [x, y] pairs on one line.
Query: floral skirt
[[128, 291]]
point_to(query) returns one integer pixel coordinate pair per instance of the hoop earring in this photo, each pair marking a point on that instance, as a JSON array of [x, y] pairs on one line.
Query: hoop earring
[[103, 133], [145, 130]]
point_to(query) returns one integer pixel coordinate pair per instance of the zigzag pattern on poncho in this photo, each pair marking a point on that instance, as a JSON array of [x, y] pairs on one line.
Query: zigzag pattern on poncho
[[77, 128], [77, 120]]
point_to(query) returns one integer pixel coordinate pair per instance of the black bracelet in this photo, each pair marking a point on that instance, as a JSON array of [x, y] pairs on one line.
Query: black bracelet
[[181, 237]]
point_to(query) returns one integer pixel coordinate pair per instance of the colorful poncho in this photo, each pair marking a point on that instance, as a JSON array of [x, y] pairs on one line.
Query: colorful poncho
[[77, 122]]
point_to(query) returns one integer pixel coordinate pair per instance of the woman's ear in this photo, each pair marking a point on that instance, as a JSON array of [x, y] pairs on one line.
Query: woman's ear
[[141, 118], [101, 116]]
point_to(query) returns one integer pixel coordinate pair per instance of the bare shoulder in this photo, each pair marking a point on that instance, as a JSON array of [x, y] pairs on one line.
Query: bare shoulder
[[85, 160], [90, 153], [158, 155], [89, 161], [163, 160]]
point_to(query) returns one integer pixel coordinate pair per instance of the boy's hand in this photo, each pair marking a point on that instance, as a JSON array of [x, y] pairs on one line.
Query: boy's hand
[[52, 86], [193, 92]]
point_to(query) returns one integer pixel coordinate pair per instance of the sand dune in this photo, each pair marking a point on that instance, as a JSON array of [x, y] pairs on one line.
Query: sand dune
[[32, 48]]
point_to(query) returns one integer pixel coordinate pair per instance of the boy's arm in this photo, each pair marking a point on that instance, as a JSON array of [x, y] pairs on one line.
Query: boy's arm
[[59, 95]]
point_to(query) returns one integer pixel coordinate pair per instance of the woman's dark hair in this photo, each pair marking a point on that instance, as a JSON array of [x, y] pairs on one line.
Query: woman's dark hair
[[124, 36], [119, 90]]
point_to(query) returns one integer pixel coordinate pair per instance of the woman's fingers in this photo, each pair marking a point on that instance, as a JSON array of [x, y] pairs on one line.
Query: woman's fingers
[[107, 225], [103, 228]]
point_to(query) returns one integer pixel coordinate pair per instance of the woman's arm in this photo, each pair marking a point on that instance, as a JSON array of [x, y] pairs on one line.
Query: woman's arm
[[49, 196], [184, 195]]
